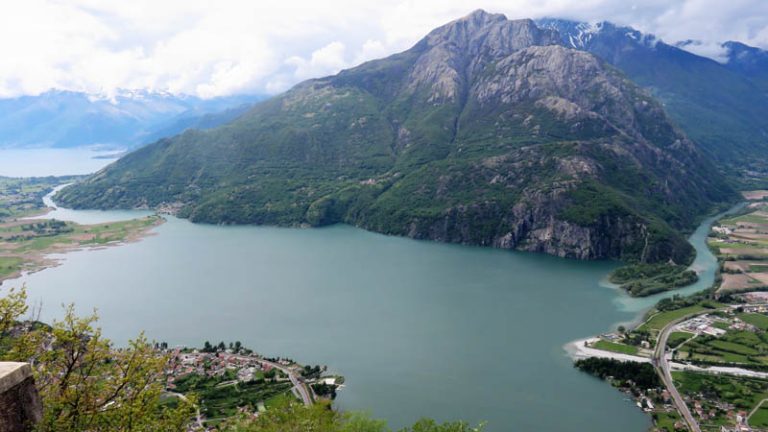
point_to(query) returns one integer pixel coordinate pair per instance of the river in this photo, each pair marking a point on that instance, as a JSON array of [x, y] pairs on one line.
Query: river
[[417, 328]]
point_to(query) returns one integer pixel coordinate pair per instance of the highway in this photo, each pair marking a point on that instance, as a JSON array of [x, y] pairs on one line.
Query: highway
[[662, 367]]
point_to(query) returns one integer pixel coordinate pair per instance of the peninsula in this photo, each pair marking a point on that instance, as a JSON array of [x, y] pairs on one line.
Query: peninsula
[[27, 240]]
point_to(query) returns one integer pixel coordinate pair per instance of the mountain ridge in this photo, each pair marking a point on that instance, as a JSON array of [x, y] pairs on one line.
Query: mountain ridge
[[720, 106], [488, 131]]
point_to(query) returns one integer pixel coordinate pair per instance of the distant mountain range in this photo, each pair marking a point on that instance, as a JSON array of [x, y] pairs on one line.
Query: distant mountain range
[[488, 131], [749, 61], [723, 107], [130, 119]]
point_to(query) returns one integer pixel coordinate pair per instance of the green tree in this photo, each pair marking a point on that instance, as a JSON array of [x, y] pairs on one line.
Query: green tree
[[294, 417], [85, 383]]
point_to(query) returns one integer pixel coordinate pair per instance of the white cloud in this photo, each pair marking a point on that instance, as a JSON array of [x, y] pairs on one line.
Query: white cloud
[[324, 61], [209, 49]]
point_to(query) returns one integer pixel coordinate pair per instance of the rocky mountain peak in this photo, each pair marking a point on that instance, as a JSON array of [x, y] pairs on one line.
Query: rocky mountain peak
[[744, 55], [451, 55], [481, 31], [480, 17]]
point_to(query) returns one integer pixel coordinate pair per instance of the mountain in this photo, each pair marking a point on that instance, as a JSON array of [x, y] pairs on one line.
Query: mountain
[[749, 61], [197, 120], [71, 119], [721, 107], [487, 131]]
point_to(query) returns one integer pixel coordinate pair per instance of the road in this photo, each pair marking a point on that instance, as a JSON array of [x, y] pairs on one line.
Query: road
[[662, 367], [198, 415], [757, 407], [298, 383]]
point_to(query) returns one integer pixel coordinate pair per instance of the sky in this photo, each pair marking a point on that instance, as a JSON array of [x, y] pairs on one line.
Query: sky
[[223, 47]]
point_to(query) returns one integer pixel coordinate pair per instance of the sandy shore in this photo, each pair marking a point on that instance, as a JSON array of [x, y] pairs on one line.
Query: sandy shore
[[578, 350]]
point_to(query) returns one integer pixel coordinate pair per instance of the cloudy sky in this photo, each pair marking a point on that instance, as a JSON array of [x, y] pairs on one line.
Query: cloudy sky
[[212, 48]]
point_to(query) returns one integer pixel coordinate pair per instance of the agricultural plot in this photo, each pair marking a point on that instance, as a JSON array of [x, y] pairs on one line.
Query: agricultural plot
[[741, 242], [717, 399], [744, 348]]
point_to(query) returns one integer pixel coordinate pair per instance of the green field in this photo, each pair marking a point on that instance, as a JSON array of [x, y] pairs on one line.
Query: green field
[[734, 347], [280, 399], [760, 418], [749, 218], [615, 347], [221, 396], [659, 320], [9, 265], [666, 421], [742, 244], [676, 338], [758, 320]]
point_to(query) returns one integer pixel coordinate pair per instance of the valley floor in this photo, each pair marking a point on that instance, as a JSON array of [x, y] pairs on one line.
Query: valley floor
[[27, 240], [711, 355]]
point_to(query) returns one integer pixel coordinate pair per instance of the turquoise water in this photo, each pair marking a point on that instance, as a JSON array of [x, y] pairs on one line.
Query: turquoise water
[[418, 328], [705, 265]]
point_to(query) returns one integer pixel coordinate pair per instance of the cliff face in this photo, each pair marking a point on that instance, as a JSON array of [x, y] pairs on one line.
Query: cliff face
[[485, 132]]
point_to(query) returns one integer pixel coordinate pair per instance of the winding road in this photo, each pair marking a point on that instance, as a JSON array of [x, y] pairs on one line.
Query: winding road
[[300, 386]]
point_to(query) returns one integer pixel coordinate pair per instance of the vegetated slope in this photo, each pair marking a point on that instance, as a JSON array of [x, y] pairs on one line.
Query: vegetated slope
[[486, 132], [724, 108]]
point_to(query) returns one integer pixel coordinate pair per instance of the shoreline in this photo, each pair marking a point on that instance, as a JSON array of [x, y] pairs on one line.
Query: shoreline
[[696, 266], [577, 350], [37, 261]]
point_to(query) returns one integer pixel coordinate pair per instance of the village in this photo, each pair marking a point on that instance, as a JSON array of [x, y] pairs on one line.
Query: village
[[234, 380]]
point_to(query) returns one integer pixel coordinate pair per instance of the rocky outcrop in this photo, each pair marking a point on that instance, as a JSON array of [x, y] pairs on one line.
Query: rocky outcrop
[[20, 405], [533, 225]]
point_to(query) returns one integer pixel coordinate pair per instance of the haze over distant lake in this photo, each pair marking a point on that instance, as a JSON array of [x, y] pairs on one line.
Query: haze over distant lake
[[50, 161]]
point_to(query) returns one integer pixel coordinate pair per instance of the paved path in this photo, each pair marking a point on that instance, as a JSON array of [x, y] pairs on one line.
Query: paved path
[[757, 407]]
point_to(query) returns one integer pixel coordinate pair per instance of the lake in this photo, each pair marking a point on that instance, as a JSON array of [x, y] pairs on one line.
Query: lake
[[417, 328], [54, 161]]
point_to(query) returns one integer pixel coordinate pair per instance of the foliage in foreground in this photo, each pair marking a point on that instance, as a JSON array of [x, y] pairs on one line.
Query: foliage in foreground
[[86, 384], [294, 417]]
